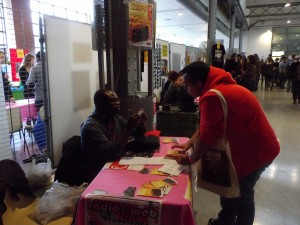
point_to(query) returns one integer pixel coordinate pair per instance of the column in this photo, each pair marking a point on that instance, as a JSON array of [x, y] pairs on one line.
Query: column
[[211, 34]]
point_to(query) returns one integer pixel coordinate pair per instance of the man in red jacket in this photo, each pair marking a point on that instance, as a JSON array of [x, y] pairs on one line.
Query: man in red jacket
[[252, 141]]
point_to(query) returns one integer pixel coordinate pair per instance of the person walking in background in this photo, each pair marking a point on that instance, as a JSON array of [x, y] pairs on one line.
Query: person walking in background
[[295, 77], [231, 66], [282, 71], [268, 73], [276, 72], [253, 146], [289, 75], [27, 63], [35, 77], [249, 78]]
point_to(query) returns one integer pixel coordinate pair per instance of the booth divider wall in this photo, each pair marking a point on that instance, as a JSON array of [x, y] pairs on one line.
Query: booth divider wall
[[73, 78]]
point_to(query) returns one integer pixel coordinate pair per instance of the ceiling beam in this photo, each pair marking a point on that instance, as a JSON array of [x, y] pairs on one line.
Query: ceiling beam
[[272, 5]]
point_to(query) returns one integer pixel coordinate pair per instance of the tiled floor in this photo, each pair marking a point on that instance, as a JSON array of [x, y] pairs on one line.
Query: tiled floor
[[277, 193]]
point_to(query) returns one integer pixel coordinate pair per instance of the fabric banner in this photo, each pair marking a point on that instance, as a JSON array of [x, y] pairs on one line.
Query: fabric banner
[[108, 210]]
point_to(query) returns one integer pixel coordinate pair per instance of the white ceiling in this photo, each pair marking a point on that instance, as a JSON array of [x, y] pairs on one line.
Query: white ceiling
[[185, 29]]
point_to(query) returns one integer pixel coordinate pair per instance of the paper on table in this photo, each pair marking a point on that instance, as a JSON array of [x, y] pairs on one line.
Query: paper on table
[[135, 167], [172, 168], [144, 161]]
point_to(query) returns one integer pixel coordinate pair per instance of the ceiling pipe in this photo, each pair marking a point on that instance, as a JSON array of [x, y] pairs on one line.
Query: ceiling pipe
[[200, 10]]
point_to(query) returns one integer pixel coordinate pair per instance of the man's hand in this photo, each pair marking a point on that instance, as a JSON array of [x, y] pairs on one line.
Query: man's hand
[[143, 117], [133, 122]]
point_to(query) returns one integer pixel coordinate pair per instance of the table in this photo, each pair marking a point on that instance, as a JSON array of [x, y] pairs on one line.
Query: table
[[27, 108], [175, 206]]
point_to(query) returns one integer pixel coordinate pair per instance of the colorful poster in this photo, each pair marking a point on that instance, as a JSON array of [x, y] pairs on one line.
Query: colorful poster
[[140, 24], [164, 50], [16, 57], [108, 210], [146, 56], [20, 53]]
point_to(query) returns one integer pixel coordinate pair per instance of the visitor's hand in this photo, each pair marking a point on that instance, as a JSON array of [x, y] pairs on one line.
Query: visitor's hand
[[182, 159], [185, 147]]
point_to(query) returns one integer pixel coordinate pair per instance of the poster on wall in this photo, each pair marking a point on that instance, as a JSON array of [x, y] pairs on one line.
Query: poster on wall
[[16, 57], [110, 210], [140, 24]]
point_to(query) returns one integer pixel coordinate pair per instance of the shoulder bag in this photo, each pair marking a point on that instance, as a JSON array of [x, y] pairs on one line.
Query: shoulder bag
[[215, 171]]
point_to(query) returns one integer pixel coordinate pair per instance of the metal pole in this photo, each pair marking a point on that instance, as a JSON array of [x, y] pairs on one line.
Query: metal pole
[[211, 34], [232, 27], [46, 104], [241, 38]]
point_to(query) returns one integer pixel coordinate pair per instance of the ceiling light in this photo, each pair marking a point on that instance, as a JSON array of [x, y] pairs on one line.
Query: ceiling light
[[297, 35], [288, 21], [179, 13], [287, 4], [181, 27]]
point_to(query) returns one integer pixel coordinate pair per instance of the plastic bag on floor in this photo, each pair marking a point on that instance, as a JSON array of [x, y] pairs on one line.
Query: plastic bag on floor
[[39, 175], [60, 200]]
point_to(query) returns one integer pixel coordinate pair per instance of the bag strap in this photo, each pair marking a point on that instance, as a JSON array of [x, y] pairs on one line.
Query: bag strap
[[224, 105]]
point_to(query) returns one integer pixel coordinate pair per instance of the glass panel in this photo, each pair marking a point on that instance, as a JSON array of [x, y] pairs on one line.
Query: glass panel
[[59, 12], [293, 37], [35, 17], [46, 8], [279, 30], [72, 15], [294, 30], [277, 38], [36, 29]]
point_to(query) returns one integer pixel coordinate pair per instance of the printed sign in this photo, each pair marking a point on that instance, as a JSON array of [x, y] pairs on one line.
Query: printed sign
[[140, 24], [108, 210]]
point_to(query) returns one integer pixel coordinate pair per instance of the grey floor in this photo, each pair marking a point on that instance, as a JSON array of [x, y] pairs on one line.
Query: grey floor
[[277, 193]]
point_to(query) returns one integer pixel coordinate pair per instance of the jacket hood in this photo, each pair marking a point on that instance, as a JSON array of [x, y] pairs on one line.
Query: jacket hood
[[216, 77]]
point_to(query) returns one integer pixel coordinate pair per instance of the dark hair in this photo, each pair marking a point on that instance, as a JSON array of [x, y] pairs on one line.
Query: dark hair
[[173, 75], [197, 71], [38, 55], [252, 59], [101, 96]]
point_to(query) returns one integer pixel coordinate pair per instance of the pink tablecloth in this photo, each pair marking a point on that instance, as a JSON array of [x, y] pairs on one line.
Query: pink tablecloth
[[176, 206], [27, 108]]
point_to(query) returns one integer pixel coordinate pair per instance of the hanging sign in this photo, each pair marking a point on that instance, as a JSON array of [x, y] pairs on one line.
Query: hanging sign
[[140, 24]]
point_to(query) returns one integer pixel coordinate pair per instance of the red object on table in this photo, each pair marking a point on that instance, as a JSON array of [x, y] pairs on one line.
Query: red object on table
[[176, 206], [27, 108]]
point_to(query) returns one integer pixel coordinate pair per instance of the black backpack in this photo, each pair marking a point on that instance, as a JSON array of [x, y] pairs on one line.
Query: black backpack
[[69, 169]]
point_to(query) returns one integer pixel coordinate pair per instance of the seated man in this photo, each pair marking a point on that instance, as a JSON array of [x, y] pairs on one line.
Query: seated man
[[105, 133]]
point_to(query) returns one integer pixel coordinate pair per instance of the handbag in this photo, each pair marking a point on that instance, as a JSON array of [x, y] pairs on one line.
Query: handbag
[[215, 171]]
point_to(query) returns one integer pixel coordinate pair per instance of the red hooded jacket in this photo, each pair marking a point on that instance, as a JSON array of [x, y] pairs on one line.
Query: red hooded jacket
[[252, 140]]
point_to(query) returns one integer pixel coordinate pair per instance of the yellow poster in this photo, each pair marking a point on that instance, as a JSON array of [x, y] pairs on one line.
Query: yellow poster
[[164, 50], [145, 56], [188, 59], [20, 53]]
